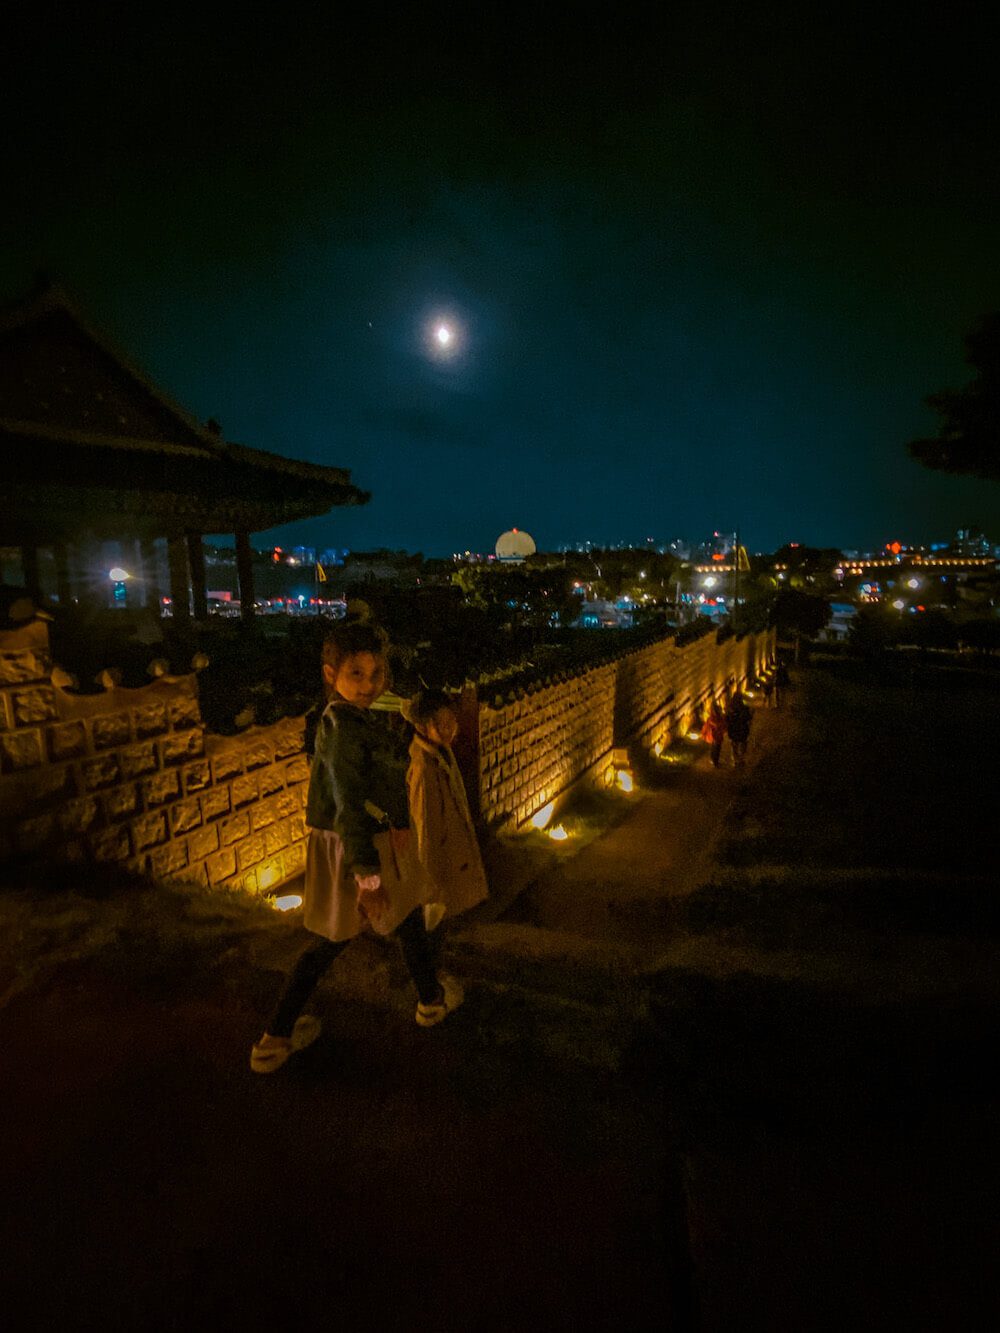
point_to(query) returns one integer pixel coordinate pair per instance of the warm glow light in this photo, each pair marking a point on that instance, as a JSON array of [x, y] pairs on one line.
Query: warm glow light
[[541, 817], [694, 735], [558, 834], [118, 575], [658, 749], [899, 604], [913, 583], [288, 902], [624, 778]]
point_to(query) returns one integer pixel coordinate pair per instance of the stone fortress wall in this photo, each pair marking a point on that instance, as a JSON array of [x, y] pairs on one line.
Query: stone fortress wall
[[132, 776], [535, 749]]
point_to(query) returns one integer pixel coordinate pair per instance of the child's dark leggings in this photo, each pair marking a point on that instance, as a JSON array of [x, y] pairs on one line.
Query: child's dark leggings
[[418, 953]]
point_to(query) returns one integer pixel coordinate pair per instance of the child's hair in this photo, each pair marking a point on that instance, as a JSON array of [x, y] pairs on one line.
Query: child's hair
[[348, 639], [425, 705]]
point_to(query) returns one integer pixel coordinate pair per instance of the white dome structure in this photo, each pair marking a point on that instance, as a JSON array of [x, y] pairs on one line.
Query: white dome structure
[[514, 545]]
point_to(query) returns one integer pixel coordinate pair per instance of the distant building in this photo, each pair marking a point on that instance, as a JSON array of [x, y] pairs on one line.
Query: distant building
[[514, 546]]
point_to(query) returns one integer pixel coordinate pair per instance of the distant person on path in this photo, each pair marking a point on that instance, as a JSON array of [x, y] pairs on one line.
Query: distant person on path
[[738, 722], [439, 810], [361, 869], [714, 731], [781, 683]]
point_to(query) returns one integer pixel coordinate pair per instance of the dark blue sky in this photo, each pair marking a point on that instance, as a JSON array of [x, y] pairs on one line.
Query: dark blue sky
[[707, 264]]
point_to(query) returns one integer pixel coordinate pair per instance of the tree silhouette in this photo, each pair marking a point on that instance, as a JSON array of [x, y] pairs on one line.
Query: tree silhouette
[[968, 440]]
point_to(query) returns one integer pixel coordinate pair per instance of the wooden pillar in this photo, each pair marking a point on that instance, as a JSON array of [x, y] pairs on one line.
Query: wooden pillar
[[151, 575], [30, 572], [179, 591], [244, 573], [196, 559], [64, 587]]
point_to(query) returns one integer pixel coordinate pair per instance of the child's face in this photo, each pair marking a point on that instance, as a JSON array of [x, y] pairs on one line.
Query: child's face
[[442, 728], [359, 679]]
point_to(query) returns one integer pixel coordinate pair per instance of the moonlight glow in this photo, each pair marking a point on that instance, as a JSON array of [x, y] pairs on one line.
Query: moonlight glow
[[443, 337]]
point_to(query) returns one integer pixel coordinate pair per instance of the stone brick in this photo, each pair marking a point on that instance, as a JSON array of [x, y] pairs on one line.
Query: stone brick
[[184, 816], [197, 776], [271, 779], [197, 873], [270, 874], [20, 750], [203, 842], [184, 712], [148, 830], [150, 720], [257, 753], [33, 705], [289, 741], [170, 860], [109, 730], [137, 760], [286, 804], [261, 815], [161, 788], [78, 815], [275, 838], [296, 828], [110, 844], [5, 718], [182, 745], [234, 829], [221, 866], [294, 860], [215, 802], [227, 764], [68, 741], [245, 882], [20, 667], [36, 832], [250, 851], [121, 801], [297, 770], [244, 790]]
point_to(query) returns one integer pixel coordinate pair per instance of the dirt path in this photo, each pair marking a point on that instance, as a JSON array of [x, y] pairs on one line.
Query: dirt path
[[661, 851]]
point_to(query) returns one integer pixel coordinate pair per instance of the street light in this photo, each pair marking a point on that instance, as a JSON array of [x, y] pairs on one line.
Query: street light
[[117, 575]]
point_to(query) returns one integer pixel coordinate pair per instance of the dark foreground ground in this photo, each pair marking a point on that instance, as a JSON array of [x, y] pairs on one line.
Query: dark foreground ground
[[736, 1084]]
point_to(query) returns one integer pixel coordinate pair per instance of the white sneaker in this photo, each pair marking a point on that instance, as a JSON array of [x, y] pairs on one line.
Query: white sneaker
[[452, 996], [433, 915], [270, 1053]]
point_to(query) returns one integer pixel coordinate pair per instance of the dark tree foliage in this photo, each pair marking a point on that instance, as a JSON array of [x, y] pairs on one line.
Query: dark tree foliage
[[968, 440]]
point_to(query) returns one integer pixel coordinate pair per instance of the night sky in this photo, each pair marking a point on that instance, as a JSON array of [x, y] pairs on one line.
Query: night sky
[[704, 261]]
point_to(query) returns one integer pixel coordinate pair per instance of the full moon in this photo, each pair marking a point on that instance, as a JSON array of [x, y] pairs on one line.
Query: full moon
[[443, 334]]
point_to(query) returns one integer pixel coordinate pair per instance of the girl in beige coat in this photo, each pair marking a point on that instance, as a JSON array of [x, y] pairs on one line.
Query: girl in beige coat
[[361, 869], [439, 810]]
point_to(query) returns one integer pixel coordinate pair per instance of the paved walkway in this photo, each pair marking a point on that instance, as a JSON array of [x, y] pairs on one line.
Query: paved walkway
[[661, 851]]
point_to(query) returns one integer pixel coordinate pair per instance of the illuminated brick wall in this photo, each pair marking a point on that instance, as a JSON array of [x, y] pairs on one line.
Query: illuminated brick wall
[[131, 776], [534, 747]]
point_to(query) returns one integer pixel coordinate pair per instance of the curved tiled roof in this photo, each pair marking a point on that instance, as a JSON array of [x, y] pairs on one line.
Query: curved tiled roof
[[90, 442]]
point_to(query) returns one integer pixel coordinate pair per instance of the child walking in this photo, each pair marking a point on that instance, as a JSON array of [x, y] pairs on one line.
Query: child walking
[[439, 809], [714, 731], [360, 867]]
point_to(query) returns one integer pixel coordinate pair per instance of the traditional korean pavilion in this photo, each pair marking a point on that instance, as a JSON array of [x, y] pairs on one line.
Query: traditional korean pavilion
[[93, 452]]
